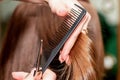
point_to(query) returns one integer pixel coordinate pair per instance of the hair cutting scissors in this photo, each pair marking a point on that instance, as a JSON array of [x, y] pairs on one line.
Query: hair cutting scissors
[[38, 68]]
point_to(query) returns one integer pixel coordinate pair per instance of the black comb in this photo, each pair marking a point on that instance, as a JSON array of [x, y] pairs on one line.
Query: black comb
[[69, 24]]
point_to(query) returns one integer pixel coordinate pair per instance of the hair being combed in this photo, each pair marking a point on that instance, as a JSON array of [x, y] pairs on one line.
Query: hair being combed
[[83, 65], [83, 59], [28, 24]]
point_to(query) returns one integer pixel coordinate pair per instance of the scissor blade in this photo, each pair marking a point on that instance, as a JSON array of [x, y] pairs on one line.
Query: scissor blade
[[39, 57]]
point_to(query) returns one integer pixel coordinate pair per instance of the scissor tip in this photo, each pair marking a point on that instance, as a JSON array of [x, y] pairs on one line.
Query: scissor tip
[[41, 40]]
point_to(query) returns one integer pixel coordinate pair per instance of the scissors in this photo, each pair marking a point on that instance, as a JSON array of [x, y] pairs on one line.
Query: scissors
[[38, 68]]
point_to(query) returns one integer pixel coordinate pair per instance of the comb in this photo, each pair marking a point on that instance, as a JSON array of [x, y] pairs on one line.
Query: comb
[[71, 21]]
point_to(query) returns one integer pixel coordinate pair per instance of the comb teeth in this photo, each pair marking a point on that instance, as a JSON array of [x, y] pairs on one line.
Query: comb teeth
[[65, 30]]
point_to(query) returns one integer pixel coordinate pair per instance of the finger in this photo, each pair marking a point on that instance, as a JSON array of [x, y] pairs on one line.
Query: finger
[[19, 75], [49, 75], [64, 6], [67, 61], [30, 76], [87, 21], [70, 42], [38, 76], [62, 11], [58, 7]]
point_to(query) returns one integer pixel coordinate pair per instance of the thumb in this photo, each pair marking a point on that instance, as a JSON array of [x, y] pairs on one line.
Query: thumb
[[19, 75]]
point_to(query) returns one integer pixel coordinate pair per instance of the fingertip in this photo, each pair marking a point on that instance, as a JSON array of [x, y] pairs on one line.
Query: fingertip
[[62, 12], [68, 62], [64, 54], [19, 75], [49, 75], [65, 59], [61, 59], [15, 75]]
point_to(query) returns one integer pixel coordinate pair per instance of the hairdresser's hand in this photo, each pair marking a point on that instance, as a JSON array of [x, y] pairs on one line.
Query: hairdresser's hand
[[48, 75], [60, 7], [64, 54]]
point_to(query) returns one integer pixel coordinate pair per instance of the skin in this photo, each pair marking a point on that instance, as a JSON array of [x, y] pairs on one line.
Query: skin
[[48, 75], [60, 7], [64, 54]]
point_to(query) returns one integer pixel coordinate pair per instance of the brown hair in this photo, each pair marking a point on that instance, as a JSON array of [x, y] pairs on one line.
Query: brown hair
[[29, 23]]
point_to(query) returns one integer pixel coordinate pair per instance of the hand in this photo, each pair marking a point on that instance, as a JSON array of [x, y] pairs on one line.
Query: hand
[[48, 75], [64, 53], [61, 7]]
